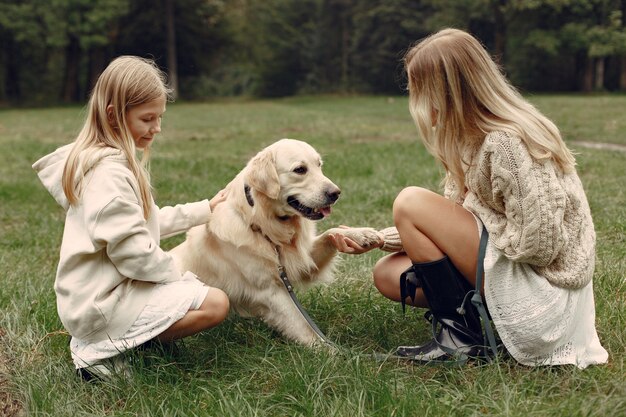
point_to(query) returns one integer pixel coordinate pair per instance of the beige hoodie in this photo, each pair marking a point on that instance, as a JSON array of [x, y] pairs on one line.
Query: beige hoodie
[[110, 256]]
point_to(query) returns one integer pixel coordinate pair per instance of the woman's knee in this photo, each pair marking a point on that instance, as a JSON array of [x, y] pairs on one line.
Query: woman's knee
[[408, 201], [385, 279]]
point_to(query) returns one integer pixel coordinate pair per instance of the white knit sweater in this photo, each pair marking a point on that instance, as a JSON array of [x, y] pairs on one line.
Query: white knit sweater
[[533, 212]]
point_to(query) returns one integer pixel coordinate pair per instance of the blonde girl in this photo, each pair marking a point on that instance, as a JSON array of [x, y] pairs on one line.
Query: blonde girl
[[115, 287], [508, 174]]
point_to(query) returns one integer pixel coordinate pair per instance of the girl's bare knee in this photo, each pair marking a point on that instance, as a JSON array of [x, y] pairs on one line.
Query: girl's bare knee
[[215, 306]]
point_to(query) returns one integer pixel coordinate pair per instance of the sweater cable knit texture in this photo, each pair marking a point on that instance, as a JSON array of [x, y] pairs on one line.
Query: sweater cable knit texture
[[534, 213], [391, 240]]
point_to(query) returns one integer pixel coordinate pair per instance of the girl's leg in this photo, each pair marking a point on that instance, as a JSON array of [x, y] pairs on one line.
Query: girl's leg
[[212, 312], [430, 227]]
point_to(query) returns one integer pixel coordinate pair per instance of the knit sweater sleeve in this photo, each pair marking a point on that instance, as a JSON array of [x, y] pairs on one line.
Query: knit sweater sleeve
[[391, 240], [527, 201]]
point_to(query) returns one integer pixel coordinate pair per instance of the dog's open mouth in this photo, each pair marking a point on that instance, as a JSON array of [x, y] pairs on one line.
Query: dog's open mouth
[[308, 212]]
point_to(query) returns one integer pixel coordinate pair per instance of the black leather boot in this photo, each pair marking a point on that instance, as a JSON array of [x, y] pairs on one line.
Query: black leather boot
[[456, 323]]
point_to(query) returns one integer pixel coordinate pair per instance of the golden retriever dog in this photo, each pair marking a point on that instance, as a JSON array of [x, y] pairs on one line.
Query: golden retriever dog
[[267, 222]]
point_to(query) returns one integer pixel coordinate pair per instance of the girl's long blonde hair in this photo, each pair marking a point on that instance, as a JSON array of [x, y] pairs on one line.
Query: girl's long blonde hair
[[126, 82], [457, 95]]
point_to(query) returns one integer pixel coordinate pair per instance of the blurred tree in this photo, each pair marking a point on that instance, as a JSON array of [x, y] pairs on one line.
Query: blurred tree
[[25, 43], [622, 78], [172, 55], [328, 51], [45, 40], [383, 32], [486, 19], [569, 36], [54, 50], [85, 28], [282, 31], [184, 41]]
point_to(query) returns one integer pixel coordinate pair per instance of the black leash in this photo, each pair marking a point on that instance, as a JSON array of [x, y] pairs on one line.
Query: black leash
[[285, 280], [477, 299]]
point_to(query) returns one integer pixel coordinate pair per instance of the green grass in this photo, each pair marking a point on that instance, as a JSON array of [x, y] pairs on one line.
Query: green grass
[[370, 149]]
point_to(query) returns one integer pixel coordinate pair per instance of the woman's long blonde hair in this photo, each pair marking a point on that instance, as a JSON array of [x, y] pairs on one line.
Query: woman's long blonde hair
[[126, 82], [457, 95]]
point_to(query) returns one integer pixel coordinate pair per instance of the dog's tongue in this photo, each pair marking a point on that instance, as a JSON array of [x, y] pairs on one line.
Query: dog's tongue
[[325, 211]]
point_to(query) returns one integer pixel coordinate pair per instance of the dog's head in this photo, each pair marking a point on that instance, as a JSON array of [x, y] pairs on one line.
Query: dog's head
[[289, 174]]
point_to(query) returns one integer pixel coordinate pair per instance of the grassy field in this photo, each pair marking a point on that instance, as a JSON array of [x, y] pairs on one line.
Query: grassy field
[[242, 368]]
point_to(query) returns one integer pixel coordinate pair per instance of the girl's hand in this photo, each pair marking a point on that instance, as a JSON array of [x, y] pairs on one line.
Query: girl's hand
[[220, 197]]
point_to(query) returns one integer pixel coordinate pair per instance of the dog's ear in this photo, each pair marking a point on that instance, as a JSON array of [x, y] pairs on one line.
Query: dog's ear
[[261, 175]]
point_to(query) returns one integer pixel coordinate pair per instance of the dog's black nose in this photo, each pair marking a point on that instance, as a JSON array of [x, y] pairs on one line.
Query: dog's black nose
[[333, 194]]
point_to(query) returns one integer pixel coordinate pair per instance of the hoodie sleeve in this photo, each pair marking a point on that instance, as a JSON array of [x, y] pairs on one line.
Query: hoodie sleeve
[[182, 217], [120, 226], [115, 222]]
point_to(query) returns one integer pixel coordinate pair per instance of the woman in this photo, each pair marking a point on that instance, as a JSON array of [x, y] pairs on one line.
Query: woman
[[507, 172]]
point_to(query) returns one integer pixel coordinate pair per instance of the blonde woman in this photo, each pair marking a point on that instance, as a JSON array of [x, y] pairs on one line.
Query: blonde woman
[[115, 287], [508, 173]]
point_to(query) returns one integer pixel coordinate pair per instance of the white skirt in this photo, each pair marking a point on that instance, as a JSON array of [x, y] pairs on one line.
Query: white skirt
[[167, 304], [540, 324]]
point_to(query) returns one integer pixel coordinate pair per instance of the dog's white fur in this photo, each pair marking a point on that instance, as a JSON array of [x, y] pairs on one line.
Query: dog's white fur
[[237, 251]]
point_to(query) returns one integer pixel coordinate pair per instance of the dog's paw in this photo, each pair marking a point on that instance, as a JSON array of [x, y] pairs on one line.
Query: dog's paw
[[365, 237]]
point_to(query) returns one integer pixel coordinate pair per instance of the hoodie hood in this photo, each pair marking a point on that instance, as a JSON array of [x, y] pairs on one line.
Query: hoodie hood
[[50, 168]]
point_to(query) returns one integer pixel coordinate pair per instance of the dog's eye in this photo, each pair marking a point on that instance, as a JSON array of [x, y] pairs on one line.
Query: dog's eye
[[301, 170]]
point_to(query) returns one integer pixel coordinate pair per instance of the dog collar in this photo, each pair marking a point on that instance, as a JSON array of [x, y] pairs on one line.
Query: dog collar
[[246, 190], [250, 200]]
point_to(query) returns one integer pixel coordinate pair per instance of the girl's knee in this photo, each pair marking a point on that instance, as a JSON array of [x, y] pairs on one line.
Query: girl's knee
[[216, 305]]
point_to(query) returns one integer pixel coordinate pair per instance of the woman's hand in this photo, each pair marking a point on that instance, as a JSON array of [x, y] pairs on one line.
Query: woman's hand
[[346, 245], [220, 197]]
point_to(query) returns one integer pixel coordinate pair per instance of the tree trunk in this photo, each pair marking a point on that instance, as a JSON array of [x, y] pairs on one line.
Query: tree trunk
[[587, 78], [345, 51], [622, 75], [97, 63], [12, 89], [72, 63], [172, 69], [599, 74]]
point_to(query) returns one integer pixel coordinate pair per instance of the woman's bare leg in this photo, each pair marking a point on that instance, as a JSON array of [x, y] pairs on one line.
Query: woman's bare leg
[[387, 278], [430, 227], [212, 312]]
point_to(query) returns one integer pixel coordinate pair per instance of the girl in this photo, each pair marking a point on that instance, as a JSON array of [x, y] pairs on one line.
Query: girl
[[115, 287], [508, 173]]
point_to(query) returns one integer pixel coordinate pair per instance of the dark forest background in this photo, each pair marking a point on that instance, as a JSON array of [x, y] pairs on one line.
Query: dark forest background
[[52, 51]]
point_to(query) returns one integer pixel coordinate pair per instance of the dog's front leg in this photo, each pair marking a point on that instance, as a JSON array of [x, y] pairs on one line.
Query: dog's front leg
[[323, 251], [283, 315]]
